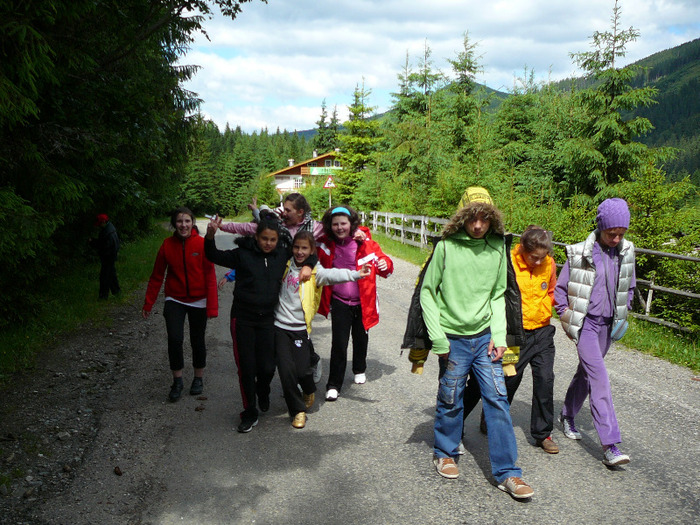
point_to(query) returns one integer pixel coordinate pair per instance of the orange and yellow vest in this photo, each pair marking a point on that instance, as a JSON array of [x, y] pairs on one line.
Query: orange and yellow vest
[[536, 289]]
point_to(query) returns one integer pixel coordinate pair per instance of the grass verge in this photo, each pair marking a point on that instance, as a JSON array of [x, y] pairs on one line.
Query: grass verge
[[668, 344], [70, 300], [649, 338]]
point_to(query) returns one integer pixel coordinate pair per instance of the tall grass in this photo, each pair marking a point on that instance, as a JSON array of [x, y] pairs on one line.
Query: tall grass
[[70, 300]]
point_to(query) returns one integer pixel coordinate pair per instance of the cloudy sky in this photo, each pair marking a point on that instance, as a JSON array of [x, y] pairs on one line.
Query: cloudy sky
[[275, 64]]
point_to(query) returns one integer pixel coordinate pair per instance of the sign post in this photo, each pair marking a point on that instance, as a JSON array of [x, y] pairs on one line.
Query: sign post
[[329, 185]]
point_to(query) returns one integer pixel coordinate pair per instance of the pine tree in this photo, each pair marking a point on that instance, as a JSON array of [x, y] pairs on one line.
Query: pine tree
[[358, 144], [606, 152]]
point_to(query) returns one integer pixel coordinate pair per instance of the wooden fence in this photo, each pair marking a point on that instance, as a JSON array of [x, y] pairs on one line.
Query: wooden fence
[[417, 230]]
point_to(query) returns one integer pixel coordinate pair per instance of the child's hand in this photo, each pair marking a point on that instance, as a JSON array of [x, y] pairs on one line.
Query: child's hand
[[359, 235], [382, 265], [365, 271], [305, 274], [222, 282], [213, 226], [253, 203]]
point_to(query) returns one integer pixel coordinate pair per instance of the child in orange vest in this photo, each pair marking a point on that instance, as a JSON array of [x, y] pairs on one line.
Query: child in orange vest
[[536, 274]]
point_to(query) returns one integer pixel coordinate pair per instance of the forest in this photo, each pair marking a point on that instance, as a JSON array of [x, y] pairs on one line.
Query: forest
[[94, 118]]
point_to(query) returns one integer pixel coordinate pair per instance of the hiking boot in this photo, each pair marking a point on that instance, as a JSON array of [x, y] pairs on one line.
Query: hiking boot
[[247, 424], [612, 457], [309, 400], [331, 394], [299, 420], [446, 467], [516, 487], [360, 379], [175, 389], [482, 425], [548, 445], [318, 371], [197, 386], [568, 427], [264, 403]]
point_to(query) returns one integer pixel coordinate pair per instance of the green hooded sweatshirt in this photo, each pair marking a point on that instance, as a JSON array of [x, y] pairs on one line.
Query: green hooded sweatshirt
[[462, 292]]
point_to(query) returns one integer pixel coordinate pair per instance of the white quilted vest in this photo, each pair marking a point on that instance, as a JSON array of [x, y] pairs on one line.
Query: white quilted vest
[[581, 277]]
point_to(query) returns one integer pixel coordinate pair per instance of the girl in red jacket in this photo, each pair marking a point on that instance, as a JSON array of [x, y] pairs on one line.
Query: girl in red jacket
[[190, 291], [354, 304]]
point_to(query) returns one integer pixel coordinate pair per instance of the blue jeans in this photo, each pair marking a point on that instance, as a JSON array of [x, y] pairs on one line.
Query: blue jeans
[[470, 354]]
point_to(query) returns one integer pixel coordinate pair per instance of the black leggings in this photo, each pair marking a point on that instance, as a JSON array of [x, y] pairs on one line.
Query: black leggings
[[174, 314], [254, 352], [346, 319]]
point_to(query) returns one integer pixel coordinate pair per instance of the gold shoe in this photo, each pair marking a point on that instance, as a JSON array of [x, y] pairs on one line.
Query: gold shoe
[[299, 420], [309, 400]]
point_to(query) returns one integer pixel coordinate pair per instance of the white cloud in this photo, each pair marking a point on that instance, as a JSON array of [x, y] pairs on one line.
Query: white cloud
[[275, 63]]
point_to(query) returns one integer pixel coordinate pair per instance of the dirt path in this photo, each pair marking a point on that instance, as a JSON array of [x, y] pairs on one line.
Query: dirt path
[[90, 438]]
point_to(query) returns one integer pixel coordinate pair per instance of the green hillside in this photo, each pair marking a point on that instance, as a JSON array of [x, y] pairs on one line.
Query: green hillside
[[675, 73]]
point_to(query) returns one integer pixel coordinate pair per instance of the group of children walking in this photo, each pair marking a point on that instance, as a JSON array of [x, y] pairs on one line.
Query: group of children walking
[[505, 299], [477, 296], [279, 288]]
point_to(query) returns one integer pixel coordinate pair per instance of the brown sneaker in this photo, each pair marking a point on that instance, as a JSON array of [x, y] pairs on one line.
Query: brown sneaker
[[299, 420], [548, 445], [446, 467], [516, 487], [309, 400]]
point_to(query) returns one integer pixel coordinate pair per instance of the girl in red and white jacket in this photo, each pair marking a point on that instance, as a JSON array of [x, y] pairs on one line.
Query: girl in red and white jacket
[[190, 291], [354, 304]]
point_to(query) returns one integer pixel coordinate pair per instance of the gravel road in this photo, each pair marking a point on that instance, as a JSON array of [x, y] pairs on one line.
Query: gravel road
[[89, 438]]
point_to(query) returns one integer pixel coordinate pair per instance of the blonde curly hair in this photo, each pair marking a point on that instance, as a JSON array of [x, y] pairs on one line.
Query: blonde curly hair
[[470, 212]]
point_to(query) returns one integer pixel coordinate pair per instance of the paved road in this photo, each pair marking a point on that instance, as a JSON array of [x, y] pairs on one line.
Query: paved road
[[366, 458]]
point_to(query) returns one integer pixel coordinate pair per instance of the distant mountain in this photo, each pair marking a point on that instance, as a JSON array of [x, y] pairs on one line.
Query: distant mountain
[[496, 99], [675, 73]]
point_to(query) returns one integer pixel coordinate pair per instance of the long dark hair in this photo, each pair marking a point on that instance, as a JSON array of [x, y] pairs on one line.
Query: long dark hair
[[345, 211]]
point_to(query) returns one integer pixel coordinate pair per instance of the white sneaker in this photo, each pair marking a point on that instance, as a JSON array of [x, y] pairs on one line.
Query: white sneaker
[[461, 450], [360, 379], [331, 394], [318, 371]]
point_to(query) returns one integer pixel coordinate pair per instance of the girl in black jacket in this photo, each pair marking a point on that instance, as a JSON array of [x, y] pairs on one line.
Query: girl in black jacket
[[260, 264]]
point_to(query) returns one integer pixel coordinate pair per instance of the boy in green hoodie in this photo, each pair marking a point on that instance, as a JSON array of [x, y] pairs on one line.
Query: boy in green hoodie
[[464, 311]]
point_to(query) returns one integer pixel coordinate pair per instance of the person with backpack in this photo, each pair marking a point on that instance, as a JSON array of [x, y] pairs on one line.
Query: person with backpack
[[462, 298]]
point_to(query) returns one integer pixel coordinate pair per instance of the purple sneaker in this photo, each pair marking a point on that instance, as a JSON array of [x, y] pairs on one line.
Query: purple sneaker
[[568, 427], [612, 457]]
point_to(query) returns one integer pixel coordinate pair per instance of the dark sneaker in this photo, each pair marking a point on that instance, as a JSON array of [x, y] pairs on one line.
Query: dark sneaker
[[548, 445], [247, 424], [175, 389], [612, 457], [516, 487], [197, 386], [446, 467], [264, 403]]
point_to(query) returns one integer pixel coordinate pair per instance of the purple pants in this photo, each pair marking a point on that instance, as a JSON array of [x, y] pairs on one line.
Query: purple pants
[[591, 379]]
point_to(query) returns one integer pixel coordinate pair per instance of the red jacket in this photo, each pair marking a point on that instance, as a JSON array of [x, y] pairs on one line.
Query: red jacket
[[368, 251], [190, 275]]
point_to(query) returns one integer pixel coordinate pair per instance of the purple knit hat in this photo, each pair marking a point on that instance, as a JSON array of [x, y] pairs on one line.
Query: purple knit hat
[[613, 213]]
